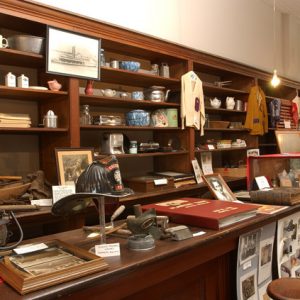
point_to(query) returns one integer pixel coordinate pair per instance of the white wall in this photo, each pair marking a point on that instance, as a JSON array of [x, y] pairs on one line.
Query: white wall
[[240, 30]]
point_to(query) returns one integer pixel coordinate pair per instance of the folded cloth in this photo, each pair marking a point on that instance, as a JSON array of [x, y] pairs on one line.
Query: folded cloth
[[277, 196]]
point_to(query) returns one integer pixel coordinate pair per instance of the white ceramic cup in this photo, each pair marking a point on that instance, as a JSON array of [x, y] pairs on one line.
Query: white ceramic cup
[[3, 42]]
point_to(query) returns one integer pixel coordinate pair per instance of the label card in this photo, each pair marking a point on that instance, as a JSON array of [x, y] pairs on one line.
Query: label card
[[60, 191], [30, 248], [161, 181], [107, 250], [262, 182]]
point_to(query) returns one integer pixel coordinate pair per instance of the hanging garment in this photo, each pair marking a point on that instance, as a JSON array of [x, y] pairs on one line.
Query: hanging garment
[[274, 109], [192, 102], [295, 114], [257, 115], [296, 100]]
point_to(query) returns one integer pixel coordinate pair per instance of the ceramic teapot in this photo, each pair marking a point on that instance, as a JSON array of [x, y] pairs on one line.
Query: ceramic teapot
[[230, 102], [215, 103], [109, 92], [157, 94]]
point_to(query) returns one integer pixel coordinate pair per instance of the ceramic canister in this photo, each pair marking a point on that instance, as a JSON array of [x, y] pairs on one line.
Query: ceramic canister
[[172, 115]]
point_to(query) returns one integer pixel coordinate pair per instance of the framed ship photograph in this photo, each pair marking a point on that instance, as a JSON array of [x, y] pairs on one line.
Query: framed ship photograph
[[72, 54], [71, 162], [56, 262]]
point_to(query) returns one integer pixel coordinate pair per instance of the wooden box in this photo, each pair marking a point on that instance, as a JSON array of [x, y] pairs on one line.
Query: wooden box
[[149, 183], [232, 172], [55, 263]]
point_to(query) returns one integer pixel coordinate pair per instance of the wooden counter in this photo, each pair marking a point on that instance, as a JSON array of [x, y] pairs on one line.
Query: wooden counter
[[199, 268]]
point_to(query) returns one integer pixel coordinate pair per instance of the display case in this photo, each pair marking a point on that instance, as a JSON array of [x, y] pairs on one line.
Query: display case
[[270, 165]]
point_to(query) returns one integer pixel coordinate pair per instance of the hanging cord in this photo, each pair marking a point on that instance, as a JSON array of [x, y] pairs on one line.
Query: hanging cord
[[274, 33], [21, 235]]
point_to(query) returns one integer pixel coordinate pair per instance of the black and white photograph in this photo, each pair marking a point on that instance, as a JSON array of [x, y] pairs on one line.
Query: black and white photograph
[[249, 244], [265, 259], [248, 286], [72, 54], [219, 188], [71, 162]]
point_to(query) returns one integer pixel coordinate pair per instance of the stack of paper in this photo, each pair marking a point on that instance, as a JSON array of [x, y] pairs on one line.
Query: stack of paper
[[15, 120]]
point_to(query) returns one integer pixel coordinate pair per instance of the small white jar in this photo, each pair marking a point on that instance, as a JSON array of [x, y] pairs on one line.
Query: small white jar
[[23, 81], [10, 80]]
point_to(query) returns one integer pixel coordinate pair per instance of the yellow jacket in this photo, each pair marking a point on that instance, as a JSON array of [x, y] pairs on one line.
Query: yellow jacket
[[257, 114]]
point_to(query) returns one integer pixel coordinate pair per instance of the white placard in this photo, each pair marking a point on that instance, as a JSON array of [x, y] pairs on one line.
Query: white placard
[[161, 181], [60, 191], [287, 123], [210, 147], [107, 250], [30, 248], [42, 202], [247, 265], [262, 182]]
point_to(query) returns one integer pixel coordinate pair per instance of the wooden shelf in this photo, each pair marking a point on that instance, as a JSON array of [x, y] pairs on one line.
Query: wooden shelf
[[20, 58], [210, 89], [226, 129], [124, 127], [29, 94], [111, 75], [114, 101], [223, 150], [31, 130], [186, 188], [223, 110], [148, 154], [268, 145]]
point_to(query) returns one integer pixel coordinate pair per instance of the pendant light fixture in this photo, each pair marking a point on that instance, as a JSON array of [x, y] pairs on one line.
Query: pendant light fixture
[[275, 79]]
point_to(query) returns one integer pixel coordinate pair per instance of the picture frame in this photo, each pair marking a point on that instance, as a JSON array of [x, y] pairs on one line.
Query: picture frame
[[71, 162], [197, 171], [72, 54], [219, 187], [55, 263]]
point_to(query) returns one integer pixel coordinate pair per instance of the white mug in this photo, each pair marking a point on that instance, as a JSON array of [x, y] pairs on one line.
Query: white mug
[[3, 42]]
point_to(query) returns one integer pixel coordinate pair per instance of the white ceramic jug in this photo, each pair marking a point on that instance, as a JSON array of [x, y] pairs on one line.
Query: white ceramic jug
[[215, 103], [230, 102]]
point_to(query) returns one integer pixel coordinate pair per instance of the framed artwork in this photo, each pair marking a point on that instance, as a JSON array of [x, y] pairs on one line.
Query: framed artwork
[[71, 162], [72, 54], [218, 187], [197, 171]]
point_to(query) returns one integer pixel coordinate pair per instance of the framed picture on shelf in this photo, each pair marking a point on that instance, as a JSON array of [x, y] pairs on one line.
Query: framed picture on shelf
[[72, 54], [71, 162], [218, 187], [197, 171]]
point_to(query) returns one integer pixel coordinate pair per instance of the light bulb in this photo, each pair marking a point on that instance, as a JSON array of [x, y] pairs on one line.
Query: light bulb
[[275, 79]]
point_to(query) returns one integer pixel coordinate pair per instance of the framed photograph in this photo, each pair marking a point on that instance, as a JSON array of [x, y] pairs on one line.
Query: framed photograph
[[72, 54], [218, 187], [197, 171], [71, 162], [55, 263]]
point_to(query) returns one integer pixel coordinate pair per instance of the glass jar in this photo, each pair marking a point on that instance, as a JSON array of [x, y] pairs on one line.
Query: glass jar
[[102, 58], [85, 116], [133, 147]]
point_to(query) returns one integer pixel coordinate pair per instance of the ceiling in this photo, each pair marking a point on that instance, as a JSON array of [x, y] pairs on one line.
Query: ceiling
[[291, 7]]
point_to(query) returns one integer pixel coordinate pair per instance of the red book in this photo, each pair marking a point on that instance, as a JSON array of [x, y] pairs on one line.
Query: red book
[[213, 214]]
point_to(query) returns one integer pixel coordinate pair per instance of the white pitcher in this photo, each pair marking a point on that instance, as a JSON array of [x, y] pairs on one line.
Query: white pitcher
[[230, 102]]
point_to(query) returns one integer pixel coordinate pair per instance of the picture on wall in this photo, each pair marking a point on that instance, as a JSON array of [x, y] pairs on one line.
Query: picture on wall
[[72, 54], [71, 162]]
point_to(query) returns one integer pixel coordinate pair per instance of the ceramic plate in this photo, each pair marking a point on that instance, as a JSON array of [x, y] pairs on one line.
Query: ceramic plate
[[38, 87]]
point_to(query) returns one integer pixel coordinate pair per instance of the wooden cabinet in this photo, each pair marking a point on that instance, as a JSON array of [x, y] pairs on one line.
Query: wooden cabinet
[[224, 126], [119, 44]]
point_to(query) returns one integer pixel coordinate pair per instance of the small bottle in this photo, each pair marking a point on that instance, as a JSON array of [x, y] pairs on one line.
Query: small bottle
[[85, 116], [10, 79], [133, 147], [102, 58], [23, 81]]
